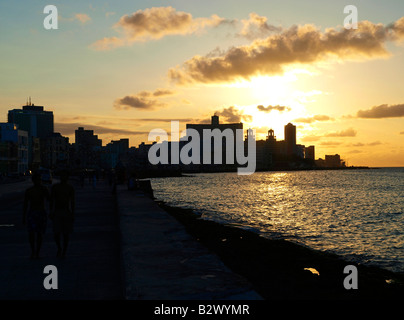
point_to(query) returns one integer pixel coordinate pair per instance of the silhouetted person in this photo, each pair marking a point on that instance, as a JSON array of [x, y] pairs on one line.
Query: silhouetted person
[[34, 214], [62, 212]]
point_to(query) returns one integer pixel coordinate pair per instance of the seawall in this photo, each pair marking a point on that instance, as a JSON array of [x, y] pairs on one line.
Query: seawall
[[161, 261]]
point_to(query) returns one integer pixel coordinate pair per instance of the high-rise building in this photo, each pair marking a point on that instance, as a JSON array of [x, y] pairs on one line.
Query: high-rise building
[[215, 124], [33, 119], [290, 139]]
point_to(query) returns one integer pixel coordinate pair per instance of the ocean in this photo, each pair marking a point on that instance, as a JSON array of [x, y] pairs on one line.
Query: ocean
[[357, 214]]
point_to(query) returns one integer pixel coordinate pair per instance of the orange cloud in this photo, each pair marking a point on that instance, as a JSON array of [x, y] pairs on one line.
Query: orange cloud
[[155, 23], [345, 133], [313, 119], [296, 45]]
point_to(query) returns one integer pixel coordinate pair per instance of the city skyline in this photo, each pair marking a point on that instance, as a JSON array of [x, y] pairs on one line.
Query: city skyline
[[107, 71]]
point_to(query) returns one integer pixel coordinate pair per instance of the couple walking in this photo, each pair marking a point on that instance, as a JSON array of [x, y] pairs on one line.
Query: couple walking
[[61, 203]]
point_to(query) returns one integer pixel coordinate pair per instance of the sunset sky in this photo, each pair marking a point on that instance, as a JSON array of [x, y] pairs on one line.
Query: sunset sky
[[123, 68]]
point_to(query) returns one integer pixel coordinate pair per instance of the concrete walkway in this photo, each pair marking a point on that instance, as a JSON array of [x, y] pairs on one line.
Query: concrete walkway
[[91, 268], [163, 262], [123, 247]]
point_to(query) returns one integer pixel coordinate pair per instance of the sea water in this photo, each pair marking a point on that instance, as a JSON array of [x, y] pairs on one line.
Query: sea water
[[357, 214]]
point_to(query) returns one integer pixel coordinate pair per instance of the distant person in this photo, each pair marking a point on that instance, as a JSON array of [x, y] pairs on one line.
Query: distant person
[[62, 212], [34, 214]]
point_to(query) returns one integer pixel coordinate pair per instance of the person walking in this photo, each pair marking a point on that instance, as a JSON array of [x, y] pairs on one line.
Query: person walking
[[34, 214], [62, 212]]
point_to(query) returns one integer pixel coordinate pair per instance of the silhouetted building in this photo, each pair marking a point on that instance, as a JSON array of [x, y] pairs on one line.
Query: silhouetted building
[[55, 151], [290, 139], [333, 161], [13, 149], [113, 152], [37, 122], [310, 153], [87, 138], [300, 151], [86, 151], [215, 124]]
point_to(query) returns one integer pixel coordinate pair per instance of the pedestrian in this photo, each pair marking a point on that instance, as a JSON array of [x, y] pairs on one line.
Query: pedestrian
[[34, 214], [62, 212]]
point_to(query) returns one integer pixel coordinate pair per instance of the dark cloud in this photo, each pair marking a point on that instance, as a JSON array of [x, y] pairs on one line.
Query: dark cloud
[[370, 144], [144, 100], [313, 119], [188, 120], [330, 143], [232, 115], [69, 128], [345, 133], [270, 108], [382, 111], [296, 45]]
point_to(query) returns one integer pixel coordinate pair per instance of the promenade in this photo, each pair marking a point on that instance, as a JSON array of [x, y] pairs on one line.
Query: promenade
[[91, 268], [124, 246]]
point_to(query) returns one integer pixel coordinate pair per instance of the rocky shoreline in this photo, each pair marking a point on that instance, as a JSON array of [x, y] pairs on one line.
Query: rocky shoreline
[[282, 270]]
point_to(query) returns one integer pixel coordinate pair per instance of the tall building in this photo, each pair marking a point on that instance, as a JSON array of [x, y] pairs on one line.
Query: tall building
[[37, 122], [215, 124], [290, 139], [33, 119]]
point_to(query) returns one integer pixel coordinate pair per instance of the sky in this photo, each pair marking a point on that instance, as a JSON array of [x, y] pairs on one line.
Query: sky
[[123, 68]]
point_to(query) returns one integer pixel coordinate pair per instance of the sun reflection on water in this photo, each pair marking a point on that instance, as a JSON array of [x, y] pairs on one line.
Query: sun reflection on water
[[358, 214]]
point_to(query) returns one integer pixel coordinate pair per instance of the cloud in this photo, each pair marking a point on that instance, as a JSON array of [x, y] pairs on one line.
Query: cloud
[[345, 133], [232, 115], [370, 144], [270, 108], [82, 17], [402, 132], [382, 111], [153, 24], [311, 138], [144, 100], [188, 120], [69, 128], [330, 143], [257, 27], [297, 45], [313, 119]]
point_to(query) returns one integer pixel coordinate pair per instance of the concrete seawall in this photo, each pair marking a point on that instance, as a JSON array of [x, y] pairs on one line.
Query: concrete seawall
[[161, 261]]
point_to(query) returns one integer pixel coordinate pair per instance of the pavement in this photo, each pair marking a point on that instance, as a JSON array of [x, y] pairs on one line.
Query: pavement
[[124, 246], [91, 268], [161, 261]]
